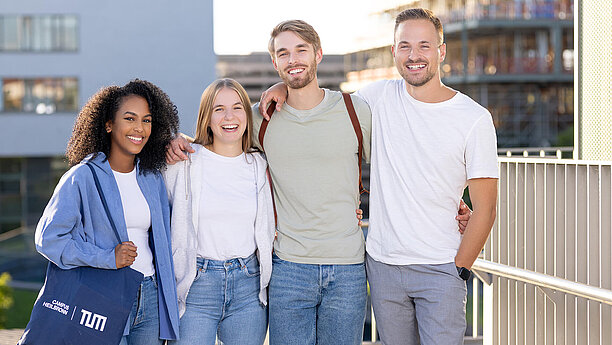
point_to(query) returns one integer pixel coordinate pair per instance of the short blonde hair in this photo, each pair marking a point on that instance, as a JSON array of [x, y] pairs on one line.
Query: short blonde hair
[[204, 135], [302, 29]]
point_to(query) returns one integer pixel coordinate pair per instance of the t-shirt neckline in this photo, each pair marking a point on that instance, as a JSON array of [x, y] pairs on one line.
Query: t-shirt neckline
[[426, 104]]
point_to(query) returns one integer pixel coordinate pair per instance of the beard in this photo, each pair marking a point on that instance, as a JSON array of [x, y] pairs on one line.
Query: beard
[[298, 83], [412, 79]]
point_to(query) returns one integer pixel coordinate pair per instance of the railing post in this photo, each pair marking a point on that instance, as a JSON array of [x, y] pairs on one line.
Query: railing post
[[474, 307], [487, 313], [374, 334]]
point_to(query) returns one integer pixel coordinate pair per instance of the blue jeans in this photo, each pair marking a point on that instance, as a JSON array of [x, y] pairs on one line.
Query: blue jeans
[[316, 304], [223, 301], [144, 317]]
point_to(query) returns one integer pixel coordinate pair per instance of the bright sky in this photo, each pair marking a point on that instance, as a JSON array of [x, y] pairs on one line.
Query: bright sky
[[244, 26]]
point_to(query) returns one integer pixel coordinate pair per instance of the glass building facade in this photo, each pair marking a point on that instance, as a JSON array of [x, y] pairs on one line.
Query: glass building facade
[[515, 57]]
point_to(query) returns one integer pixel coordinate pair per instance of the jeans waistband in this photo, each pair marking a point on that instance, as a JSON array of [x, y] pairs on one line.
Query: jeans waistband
[[203, 263]]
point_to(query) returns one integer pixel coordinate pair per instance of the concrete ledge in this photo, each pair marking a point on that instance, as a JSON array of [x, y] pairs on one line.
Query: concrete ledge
[[10, 336]]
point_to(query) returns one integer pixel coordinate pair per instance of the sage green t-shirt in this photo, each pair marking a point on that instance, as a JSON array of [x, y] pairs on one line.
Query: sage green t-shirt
[[312, 155]]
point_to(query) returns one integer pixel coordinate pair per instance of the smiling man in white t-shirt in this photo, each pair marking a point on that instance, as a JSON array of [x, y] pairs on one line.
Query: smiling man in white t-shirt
[[428, 142]]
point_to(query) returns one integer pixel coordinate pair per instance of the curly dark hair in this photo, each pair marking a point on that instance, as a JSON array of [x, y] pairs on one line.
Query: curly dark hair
[[89, 134]]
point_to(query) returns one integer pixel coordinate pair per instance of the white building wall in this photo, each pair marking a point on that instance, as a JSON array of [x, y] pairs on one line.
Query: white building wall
[[169, 43]]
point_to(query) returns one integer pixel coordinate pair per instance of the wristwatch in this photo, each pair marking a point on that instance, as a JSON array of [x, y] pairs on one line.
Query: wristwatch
[[464, 273]]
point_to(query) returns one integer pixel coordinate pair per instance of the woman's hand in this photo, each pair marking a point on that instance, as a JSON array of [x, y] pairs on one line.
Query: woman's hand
[[463, 216], [359, 213], [125, 254]]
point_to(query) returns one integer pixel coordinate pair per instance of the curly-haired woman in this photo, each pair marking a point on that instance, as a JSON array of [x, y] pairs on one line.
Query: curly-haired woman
[[122, 132]]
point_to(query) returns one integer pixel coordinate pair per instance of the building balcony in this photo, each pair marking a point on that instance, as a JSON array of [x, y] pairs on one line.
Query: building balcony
[[511, 10]]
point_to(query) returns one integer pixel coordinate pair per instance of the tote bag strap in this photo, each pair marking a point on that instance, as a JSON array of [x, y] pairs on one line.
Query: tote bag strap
[[101, 193]]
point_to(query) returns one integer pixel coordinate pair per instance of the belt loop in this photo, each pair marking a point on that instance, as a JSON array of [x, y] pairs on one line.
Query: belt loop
[[205, 265], [241, 261]]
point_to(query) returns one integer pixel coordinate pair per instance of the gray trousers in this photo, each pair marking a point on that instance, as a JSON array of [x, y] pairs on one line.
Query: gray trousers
[[417, 302]]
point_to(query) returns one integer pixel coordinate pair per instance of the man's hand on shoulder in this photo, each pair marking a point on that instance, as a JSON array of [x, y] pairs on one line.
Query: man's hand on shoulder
[[175, 151], [276, 93]]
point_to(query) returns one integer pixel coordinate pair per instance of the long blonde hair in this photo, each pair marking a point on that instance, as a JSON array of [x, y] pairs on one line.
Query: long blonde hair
[[204, 135]]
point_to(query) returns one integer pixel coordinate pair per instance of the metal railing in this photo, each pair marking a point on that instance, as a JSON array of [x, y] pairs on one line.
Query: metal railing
[[547, 266], [546, 270], [541, 152]]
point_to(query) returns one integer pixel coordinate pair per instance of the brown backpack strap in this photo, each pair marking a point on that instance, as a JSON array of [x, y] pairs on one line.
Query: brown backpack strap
[[264, 125], [262, 133], [272, 191], [355, 121]]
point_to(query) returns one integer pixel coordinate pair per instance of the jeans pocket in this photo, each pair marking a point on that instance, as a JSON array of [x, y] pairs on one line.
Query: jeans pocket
[[251, 270], [454, 271]]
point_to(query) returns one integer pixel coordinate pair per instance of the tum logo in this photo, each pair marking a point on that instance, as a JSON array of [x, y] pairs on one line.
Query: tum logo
[[91, 320]]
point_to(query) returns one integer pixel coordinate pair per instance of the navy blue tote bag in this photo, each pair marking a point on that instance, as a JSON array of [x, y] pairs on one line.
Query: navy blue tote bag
[[83, 305]]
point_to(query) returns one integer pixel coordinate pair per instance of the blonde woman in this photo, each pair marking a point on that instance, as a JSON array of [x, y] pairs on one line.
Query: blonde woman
[[222, 225]]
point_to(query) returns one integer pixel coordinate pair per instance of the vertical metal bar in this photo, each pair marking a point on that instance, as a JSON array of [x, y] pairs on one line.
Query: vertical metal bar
[[512, 252], [374, 330], [539, 253], [530, 239], [497, 304], [502, 240], [520, 254], [475, 307], [549, 248], [606, 249], [582, 209], [570, 248], [593, 254], [488, 312], [560, 248]]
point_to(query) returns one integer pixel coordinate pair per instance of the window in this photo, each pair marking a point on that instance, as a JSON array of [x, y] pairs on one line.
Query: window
[[38, 33], [25, 187], [41, 95]]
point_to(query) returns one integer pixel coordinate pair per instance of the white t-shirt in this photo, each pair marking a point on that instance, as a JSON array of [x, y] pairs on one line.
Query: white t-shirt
[[422, 156], [228, 207], [137, 220]]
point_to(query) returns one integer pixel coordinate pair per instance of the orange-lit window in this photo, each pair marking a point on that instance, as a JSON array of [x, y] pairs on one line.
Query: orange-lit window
[[40, 95]]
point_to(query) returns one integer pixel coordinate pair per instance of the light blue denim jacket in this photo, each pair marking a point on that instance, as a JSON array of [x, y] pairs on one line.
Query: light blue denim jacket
[[74, 229]]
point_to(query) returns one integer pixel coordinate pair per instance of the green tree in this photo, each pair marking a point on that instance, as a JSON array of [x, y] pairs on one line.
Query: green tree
[[6, 297]]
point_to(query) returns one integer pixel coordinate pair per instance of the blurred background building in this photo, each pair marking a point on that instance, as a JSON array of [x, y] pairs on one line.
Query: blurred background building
[[256, 73], [514, 57], [53, 56]]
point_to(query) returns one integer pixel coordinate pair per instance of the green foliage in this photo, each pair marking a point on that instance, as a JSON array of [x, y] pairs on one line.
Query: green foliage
[[566, 137], [6, 297], [21, 309]]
